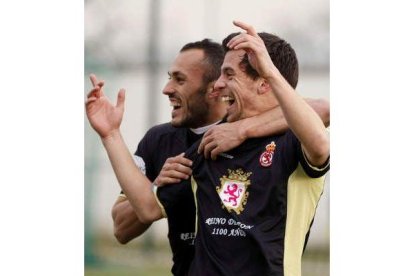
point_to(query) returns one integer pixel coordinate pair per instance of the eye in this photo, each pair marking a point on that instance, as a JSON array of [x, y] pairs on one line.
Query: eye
[[180, 80], [228, 74]]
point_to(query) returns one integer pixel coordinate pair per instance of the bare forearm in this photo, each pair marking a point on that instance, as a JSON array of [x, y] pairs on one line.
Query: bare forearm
[[127, 226], [303, 120], [135, 185], [273, 122]]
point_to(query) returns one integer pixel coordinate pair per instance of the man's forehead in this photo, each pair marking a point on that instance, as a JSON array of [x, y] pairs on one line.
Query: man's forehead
[[192, 56], [232, 59], [188, 60]]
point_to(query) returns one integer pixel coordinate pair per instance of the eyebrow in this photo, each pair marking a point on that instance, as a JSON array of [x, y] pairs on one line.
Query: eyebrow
[[176, 74], [227, 70]]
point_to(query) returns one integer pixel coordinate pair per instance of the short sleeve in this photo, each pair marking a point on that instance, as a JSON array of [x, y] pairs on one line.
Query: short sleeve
[[299, 156]]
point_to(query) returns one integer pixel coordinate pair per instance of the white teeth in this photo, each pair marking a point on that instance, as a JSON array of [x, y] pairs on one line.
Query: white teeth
[[175, 104], [226, 98]]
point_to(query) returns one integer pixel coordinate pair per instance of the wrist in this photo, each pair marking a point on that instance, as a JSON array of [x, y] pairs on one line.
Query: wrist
[[279, 83], [275, 76], [272, 74], [111, 136], [244, 130]]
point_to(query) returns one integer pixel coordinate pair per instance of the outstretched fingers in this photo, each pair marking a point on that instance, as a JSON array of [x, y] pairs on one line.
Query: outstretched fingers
[[248, 28], [248, 40], [94, 79], [120, 102], [97, 85]]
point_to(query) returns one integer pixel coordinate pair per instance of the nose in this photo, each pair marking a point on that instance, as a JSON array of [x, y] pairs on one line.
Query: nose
[[219, 84], [168, 89]]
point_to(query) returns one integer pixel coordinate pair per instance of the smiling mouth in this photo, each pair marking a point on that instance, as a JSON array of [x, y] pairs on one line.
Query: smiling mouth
[[175, 105], [175, 102], [229, 99]]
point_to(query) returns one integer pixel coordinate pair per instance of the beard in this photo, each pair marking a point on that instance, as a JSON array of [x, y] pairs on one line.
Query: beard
[[197, 110]]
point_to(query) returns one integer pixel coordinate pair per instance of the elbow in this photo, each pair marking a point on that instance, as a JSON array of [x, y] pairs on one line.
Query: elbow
[[317, 152], [146, 217], [121, 237], [149, 212], [121, 232], [120, 222], [321, 150]]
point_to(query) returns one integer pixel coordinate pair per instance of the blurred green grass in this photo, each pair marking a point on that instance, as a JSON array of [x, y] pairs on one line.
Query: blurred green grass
[[123, 271], [143, 257]]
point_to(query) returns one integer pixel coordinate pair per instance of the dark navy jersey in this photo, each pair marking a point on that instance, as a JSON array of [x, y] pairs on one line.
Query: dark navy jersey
[[255, 205], [159, 143]]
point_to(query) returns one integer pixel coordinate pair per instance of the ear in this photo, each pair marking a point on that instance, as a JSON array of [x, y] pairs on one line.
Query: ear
[[263, 87]]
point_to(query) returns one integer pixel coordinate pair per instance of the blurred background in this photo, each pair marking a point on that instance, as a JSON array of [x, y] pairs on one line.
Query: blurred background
[[131, 44]]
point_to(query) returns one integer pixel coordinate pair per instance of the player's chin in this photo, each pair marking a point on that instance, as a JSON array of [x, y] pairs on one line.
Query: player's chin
[[176, 122]]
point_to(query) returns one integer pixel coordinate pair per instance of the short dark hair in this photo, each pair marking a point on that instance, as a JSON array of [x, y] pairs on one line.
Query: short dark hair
[[281, 53], [213, 58]]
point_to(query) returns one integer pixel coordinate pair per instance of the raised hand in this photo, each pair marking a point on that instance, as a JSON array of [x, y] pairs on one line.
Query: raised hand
[[104, 117], [174, 170], [221, 138], [256, 50]]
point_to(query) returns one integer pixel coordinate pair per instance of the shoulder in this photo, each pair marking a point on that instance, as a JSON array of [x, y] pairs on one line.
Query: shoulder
[[162, 129], [153, 137]]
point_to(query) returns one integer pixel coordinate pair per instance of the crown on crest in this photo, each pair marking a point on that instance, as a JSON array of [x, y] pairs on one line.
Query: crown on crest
[[271, 146], [239, 175]]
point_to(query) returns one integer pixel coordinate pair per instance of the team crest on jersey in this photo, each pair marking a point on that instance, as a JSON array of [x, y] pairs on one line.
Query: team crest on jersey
[[267, 155], [233, 190]]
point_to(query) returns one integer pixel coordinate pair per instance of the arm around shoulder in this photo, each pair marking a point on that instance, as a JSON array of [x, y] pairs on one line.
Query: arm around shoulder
[[322, 108]]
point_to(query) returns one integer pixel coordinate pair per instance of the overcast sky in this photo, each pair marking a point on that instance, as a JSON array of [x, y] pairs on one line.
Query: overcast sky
[[117, 32]]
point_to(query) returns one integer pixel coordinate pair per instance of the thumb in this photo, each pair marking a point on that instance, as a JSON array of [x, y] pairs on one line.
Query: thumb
[[121, 98]]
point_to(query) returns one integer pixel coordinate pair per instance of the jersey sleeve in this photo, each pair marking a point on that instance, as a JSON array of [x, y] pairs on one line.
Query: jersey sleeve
[[142, 157], [313, 171], [299, 156]]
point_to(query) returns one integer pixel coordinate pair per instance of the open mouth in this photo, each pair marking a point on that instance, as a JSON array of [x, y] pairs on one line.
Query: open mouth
[[175, 105], [227, 98]]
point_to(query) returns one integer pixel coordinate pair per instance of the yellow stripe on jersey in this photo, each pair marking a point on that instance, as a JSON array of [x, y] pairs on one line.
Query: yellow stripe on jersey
[[194, 188], [164, 214], [303, 196]]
